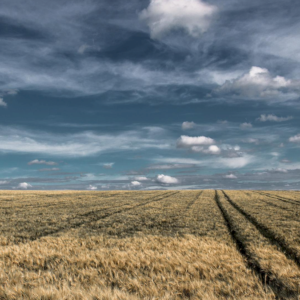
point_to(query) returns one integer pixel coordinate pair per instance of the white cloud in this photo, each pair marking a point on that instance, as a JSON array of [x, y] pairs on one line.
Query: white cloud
[[24, 185], [295, 138], [108, 165], [49, 169], [92, 187], [230, 176], [265, 118], [246, 125], [251, 141], [3, 182], [170, 166], [166, 179], [135, 183], [234, 162], [42, 162], [188, 125], [2, 103], [141, 178], [188, 141], [213, 149], [257, 84], [162, 16]]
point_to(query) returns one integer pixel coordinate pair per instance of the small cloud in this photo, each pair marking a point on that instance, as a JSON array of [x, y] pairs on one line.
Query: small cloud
[[285, 161], [246, 125], [251, 141], [295, 138], [48, 169], [163, 16], [223, 122], [273, 118], [170, 166], [108, 165], [2, 103], [280, 170], [12, 92], [24, 185], [141, 178], [230, 176], [82, 48], [188, 141], [3, 182], [91, 187], [135, 183], [188, 125], [166, 179], [276, 154], [42, 162], [213, 149]]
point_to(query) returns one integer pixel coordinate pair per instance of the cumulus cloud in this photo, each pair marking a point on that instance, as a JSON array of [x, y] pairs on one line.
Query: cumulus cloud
[[166, 179], [258, 84], [188, 125], [24, 185], [135, 183], [42, 162], [295, 138], [108, 165], [230, 176], [2, 103], [235, 162], [273, 118], [246, 125], [141, 178], [163, 16], [213, 149], [92, 187], [188, 141]]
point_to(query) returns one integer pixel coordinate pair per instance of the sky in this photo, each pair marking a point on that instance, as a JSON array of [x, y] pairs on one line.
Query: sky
[[156, 94]]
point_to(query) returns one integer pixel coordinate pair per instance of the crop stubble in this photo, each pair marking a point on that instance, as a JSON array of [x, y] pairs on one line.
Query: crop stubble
[[148, 245]]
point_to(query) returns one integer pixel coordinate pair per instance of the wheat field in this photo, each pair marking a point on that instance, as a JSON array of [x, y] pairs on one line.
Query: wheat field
[[149, 245]]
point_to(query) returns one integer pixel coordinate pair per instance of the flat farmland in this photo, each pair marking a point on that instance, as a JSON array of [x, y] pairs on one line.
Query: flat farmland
[[200, 244]]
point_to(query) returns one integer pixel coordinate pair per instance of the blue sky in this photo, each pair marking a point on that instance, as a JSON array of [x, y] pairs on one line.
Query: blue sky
[[155, 94]]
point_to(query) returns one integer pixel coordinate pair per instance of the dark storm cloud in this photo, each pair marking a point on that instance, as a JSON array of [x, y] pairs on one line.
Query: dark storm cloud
[[91, 47]]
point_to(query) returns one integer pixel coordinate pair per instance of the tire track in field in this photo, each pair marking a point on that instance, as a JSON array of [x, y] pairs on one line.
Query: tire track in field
[[151, 200], [242, 248], [192, 202], [277, 206], [286, 200], [274, 239]]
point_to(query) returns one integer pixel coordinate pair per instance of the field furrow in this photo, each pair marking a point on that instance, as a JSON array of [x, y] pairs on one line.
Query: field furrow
[[274, 268], [274, 225], [282, 199]]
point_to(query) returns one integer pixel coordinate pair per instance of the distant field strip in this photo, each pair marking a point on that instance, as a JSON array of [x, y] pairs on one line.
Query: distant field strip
[[152, 245]]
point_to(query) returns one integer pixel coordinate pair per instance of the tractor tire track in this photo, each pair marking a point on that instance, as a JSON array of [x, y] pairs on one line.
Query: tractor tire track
[[286, 200], [274, 239], [192, 202], [78, 224], [266, 278]]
